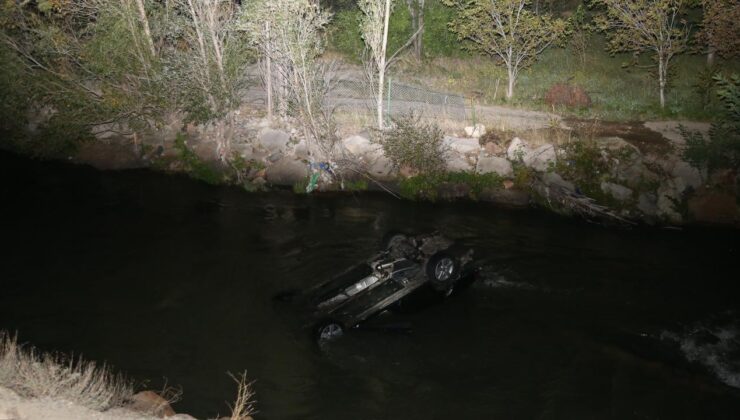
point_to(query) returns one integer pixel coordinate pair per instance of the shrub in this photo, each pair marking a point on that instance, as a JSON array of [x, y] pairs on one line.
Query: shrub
[[722, 150], [426, 186], [414, 144], [33, 375]]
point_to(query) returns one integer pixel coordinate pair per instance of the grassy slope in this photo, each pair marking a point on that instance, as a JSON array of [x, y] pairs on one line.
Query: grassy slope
[[618, 92]]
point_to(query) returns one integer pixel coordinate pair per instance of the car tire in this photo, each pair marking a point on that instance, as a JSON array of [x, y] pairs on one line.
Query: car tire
[[328, 330], [442, 270]]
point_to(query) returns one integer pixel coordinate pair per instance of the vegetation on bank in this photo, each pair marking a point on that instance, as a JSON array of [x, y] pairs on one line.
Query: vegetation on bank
[[34, 374]]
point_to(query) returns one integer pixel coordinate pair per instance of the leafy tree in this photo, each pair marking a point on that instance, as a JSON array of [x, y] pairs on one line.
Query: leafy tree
[[507, 30], [720, 29], [645, 25]]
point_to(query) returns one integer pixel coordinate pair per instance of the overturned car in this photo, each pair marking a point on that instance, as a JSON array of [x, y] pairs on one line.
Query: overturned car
[[406, 264]]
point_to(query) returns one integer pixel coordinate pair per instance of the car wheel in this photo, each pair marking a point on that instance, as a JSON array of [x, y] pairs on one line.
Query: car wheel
[[328, 331], [442, 270]]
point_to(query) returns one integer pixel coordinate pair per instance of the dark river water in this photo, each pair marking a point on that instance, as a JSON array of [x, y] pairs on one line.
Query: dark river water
[[168, 279]]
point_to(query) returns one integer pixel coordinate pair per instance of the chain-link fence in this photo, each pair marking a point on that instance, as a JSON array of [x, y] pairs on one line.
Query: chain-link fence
[[399, 99]]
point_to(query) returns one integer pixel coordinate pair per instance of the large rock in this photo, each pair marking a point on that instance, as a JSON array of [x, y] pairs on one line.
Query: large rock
[[551, 179], [457, 163], [617, 191], [668, 199], [151, 403], [494, 164], [475, 131], [686, 176], [286, 171], [462, 145], [647, 203], [517, 149], [541, 159], [381, 168], [273, 140], [359, 145]]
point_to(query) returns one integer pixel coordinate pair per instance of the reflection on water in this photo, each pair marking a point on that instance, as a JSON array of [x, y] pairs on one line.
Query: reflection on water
[[167, 278]]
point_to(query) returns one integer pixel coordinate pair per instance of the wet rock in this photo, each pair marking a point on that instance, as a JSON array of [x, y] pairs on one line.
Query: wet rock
[[506, 197], [517, 149], [494, 164], [189, 417], [617, 191], [687, 176], [541, 159], [462, 145], [152, 403], [286, 171], [453, 191], [552, 179], [647, 203], [475, 131], [668, 200], [273, 140]]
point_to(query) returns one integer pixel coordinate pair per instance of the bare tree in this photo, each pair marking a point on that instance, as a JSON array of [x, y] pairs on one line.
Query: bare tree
[[646, 25], [374, 29], [416, 10]]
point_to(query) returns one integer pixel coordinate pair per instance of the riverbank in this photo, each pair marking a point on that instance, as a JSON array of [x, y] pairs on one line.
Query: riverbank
[[632, 172], [36, 385]]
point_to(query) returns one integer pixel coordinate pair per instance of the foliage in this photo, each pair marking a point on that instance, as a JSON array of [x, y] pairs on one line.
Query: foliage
[[720, 27], [290, 33], [195, 167], [585, 163], [645, 25], [414, 144], [37, 375], [426, 186], [505, 30], [723, 148]]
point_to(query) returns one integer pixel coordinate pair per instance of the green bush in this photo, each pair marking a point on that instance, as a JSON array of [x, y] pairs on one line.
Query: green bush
[[195, 167], [426, 186], [414, 144]]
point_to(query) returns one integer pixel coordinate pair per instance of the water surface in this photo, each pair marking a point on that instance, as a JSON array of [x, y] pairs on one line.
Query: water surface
[[171, 280]]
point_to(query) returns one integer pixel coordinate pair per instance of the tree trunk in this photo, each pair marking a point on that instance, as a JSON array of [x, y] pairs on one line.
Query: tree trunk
[[381, 63], [419, 41], [661, 80], [268, 71], [512, 80], [711, 56], [145, 24]]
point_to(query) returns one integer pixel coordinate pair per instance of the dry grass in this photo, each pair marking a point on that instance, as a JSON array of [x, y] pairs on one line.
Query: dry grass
[[32, 374], [244, 405]]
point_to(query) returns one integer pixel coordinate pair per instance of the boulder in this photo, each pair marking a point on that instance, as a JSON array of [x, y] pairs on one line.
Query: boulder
[[505, 197], [668, 198], [151, 403], [686, 176], [647, 203], [493, 149], [381, 168], [300, 151], [541, 159], [552, 179], [494, 164], [617, 191], [457, 163], [517, 149], [462, 145], [273, 140], [475, 131], [286, 171], [359, 145]]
